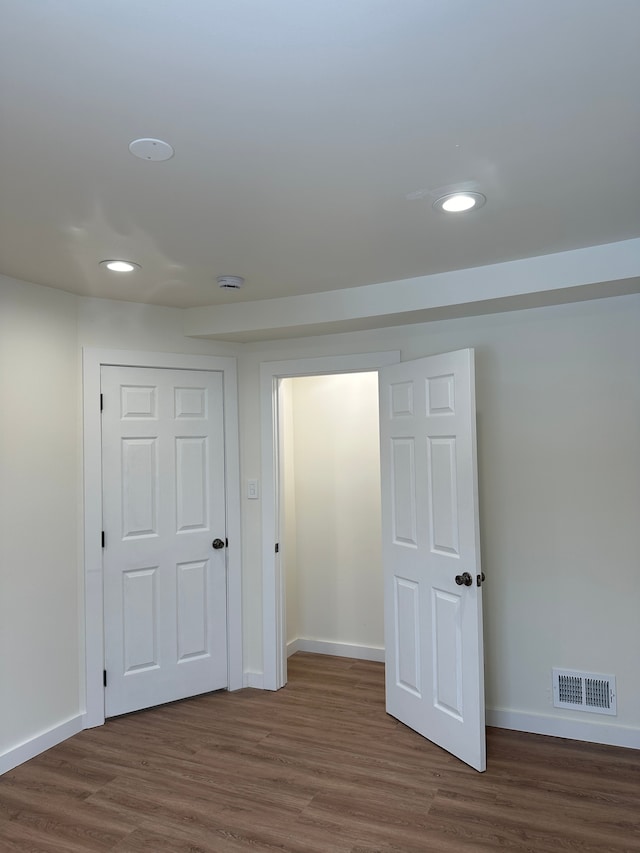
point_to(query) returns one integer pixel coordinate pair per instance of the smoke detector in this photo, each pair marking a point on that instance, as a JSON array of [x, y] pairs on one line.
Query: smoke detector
[[151, 149], [230, 282]]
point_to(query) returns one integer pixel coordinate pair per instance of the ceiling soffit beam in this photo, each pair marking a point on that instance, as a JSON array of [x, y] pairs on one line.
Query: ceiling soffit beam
[[561, 277]]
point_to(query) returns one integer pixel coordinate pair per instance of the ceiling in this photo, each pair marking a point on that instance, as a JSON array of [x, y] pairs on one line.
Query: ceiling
[[302, 129]]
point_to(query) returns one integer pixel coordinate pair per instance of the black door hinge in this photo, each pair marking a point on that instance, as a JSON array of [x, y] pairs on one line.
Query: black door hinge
[[104, 677], [103, 538], [277, 547], [226, 543], [101, 402]]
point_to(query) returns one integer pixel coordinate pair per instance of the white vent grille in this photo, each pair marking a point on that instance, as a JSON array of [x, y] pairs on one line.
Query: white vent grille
[[230, 282], [584, 691]]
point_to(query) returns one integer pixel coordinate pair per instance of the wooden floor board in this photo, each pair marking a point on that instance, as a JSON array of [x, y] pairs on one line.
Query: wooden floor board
[[317, 767]]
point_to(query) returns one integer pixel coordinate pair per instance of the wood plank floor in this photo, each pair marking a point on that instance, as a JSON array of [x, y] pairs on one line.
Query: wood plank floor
[[316, 768]]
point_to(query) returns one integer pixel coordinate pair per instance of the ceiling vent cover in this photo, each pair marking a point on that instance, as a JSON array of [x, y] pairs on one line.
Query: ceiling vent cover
[[584, 691], [230, 282]]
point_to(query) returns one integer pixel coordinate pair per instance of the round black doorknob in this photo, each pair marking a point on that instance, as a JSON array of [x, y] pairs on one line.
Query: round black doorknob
[[464, 579], [217, 544]]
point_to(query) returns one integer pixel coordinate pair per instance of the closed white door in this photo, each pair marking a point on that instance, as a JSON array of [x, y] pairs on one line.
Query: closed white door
[[163, 509], [431, 553]]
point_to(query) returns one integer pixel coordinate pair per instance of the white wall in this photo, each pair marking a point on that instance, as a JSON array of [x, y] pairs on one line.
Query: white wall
[[39, 487], [112, 324], [336, 496], [558, 395]]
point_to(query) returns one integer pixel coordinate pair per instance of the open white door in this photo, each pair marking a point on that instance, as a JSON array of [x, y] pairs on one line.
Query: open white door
[[431, 552]]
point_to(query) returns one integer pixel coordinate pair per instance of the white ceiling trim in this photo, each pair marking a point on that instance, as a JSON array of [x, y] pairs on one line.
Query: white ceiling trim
[[609, 269]]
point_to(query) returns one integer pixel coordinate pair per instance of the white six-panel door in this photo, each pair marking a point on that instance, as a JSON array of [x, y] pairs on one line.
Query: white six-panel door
[[431, 556], [163, 505]]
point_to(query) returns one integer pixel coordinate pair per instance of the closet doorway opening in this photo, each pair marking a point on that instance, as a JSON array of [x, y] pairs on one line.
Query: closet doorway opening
[[330, 528], [272, 376]]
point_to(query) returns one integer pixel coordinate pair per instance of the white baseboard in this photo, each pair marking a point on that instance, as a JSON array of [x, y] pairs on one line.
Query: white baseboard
[[254, 679], [40, 743], [542, 724], [341, 650], [293, 647]]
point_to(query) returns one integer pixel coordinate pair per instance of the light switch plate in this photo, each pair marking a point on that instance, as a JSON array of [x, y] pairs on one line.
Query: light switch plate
[[253, 490]]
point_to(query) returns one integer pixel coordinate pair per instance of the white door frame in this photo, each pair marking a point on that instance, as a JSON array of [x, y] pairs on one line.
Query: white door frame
[[271, 372], [92, 361]]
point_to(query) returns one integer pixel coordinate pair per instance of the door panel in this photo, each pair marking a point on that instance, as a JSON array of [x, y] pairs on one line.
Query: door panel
[[140, 618], [193, 627], [403, 491], [163, 504], [433, 624], [407, 631], [442, 495], [139, 484], [192, 498], [447, 652]]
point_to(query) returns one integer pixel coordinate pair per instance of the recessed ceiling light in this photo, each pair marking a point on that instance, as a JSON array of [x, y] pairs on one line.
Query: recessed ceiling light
[[459, 202], [120, 266], [151, 149]]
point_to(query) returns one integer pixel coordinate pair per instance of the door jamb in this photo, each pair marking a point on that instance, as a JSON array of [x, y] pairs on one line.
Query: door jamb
[[271, 372], [92, 361]]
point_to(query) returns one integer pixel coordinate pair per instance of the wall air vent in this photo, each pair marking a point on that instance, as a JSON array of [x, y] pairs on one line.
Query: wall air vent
[[584, 691]]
